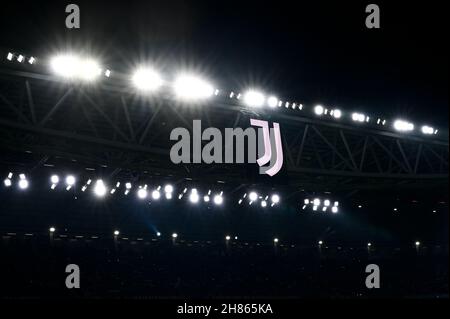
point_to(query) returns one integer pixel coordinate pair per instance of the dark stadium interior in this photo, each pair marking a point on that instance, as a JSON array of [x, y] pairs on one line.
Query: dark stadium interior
[[392, 187]]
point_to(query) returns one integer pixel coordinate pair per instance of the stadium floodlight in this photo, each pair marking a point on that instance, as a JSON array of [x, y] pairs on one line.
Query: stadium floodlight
[[253, 196], [147, 79], [193, 197], [52, 229], [358, 117], [316, 202], [89, 70], [107, 73], [403, 126], [227, 238], [275, 199], [206, 198], [10, 56], [417, 243], [23, 183], [174, 235], [127, 185], [20, 58], [369, 244], [168, 188], [336, 113], [156, 194], [306, 201], [99, 188], [275, 240], [427, 129], [7, 182], [359, 206], [190, 87], [54, 179], [318, 109], [158, 234], [315, 208], [334, 209], [218, 199], [142, 193], [254, 98], [31, 60], [320, 242], [116, 233], [326, 202], [70, 180], [263, 203], [272, 101], [71, 66]]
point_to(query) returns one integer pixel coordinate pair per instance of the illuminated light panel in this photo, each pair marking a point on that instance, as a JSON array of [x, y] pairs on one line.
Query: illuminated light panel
[[336, 113], [254, 98], [427, 130], [272, 101], [403, 126], [23, 184], [275, 199], [7, 182], [218, 200], [142, 193], [156, 194], [71, 66], [147, 79], [191, 87], [100, 188], [318, 110], [10, 56], [358, 117], [253, 196]]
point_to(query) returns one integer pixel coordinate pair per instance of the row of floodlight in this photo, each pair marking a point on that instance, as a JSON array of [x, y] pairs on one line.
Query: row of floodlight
[[254, 197], [100, 189], [276, 240], [192, 87], [321, 205]]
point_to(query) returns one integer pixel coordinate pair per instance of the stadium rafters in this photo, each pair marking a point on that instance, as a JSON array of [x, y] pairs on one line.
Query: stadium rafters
[[109, 124]]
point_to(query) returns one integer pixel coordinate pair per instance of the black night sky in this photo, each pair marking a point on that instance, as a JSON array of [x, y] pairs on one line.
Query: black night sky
[[313, 53]]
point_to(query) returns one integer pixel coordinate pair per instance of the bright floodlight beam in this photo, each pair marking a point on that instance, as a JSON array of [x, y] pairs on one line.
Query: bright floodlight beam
[[275, 199], [253, 196], [427, 130], [99, 188], [54, 179], [168, 189], [70, 180], [156, 194], [23, 183], [218, 200], [142, 193], [73, 67], [254, 98], [193, 197], [272, 101], [147, 79], [403, 126], [318, 109], [189, 87]]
